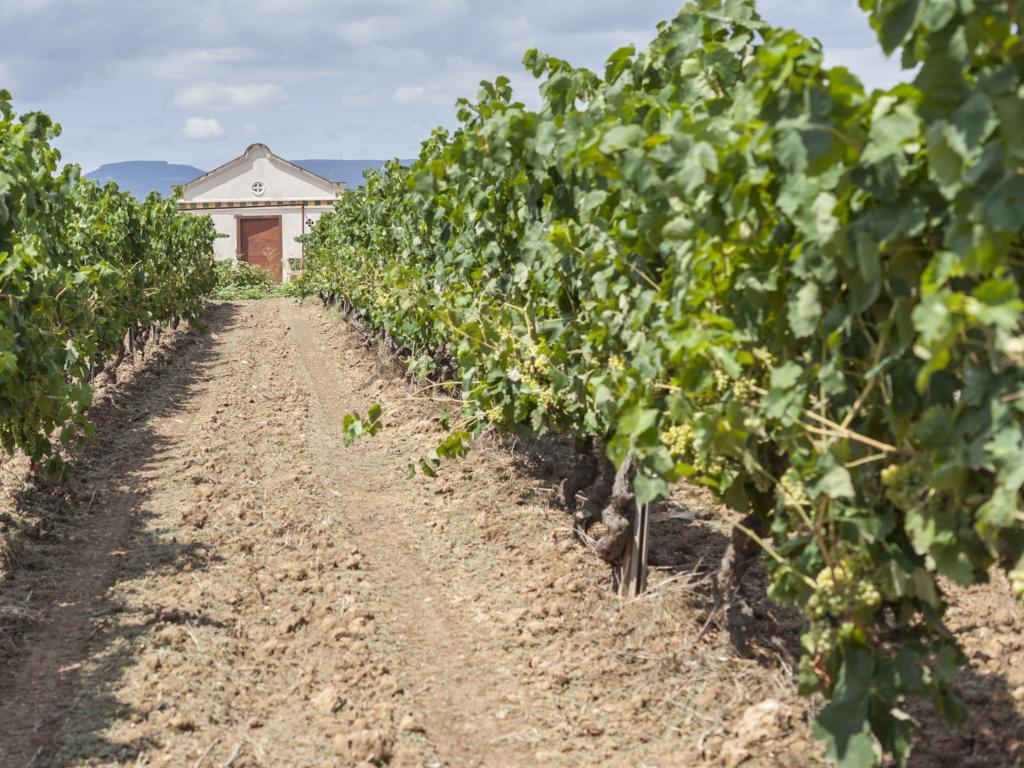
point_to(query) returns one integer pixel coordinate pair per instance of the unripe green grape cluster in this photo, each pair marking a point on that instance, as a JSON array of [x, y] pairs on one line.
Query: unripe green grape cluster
[[679, 440], [820, 638], [842, 592], [544, 394], [792, 490], [901, 484], [744, 388]]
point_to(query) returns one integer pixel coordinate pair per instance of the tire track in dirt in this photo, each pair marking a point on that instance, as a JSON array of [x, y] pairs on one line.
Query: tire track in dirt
[[457, 687], [254, 649]]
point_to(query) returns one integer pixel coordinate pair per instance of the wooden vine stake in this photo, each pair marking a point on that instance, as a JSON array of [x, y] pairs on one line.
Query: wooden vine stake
[[632, 574]]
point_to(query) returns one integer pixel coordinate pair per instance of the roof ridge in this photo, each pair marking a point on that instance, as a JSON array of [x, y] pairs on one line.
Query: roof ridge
[[258, 146]]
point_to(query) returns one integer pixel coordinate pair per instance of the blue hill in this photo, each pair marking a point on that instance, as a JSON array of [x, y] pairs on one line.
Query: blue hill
[[140, 177], [349, 171]]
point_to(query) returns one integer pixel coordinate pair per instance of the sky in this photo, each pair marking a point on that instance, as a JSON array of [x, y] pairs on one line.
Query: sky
[[196, 82]]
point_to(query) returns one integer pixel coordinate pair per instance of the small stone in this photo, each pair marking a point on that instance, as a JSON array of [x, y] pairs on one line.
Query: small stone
[[357, 627], [371, 746], [326, 702], [328, 623], [539, 628], [733, 754], [761, 721], [513, 617], [411, 724]]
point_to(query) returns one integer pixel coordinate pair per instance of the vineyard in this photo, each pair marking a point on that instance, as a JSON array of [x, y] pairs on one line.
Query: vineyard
[[719, 284], [722, 261], [87, 274]]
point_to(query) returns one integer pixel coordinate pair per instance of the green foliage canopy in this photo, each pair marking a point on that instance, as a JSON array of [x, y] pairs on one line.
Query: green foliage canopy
[[79, 266], [738, 265]]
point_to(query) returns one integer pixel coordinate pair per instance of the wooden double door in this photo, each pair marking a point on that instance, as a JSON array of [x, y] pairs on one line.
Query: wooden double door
[[260, 243]]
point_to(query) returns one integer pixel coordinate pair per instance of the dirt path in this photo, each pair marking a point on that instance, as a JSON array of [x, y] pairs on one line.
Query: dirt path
[[222, 583]]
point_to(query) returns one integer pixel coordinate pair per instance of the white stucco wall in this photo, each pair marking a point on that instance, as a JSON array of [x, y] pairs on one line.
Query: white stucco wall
[[225, 222], [280, 181]]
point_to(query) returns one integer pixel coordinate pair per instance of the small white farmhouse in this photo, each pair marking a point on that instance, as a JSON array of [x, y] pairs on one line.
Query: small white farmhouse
[[261, 202]]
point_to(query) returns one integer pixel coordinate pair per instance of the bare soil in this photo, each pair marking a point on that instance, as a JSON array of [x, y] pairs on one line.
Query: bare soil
[[222, 583]]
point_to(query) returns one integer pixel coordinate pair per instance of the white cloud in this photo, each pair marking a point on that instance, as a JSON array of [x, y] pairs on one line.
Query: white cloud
[[222, 96], [193, 63], [408, 94], [202, 128]]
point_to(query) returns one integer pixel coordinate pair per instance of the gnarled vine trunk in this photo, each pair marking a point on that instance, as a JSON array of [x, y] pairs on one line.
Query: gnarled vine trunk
[[617, 516]]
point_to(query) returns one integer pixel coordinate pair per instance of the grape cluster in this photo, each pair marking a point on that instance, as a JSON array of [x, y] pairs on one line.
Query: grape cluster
[[842, 592], [793, 491], [544, 394], [744, 388], [679, 440], [901, 483], [843, 596], [820, 638]]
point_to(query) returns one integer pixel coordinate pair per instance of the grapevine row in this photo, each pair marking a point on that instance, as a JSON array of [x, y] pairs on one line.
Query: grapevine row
[[80, 267], [724, 261]]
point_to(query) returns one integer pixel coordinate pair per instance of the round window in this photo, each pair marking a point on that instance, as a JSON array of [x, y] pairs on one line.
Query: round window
[[258, 188]]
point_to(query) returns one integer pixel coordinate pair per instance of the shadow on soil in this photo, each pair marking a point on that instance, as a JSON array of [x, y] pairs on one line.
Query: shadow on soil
[[69, 543], [687, 540], [993, 736]]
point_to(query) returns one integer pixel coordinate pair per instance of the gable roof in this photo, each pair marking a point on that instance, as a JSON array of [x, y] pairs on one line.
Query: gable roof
[[264, 149]]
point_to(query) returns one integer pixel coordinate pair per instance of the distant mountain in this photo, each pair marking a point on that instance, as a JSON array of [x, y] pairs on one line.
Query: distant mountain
[[140, 177], [349, 171]]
